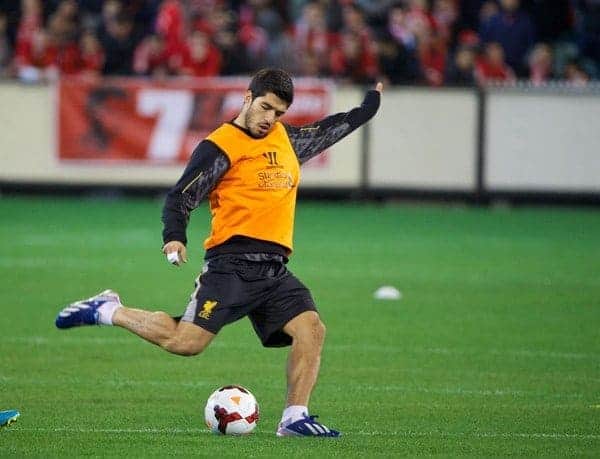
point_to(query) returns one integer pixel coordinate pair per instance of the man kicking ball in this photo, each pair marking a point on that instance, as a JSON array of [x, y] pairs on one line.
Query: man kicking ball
[[249, 168]]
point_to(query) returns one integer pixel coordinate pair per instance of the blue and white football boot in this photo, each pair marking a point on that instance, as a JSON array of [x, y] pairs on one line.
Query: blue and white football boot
[[85, 312], [305, 427], [8, 417]]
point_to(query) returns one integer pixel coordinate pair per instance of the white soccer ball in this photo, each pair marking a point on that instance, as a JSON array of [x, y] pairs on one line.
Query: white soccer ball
[[231, 410]]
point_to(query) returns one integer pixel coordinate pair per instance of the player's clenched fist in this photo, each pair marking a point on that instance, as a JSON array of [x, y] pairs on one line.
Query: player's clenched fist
[[175, 252]]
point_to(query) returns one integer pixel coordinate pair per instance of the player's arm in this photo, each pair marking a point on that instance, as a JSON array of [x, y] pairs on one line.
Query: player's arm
[[310, 140], [203, 171]]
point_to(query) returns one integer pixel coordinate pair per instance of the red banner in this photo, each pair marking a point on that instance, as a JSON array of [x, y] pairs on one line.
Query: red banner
[[116, 120]]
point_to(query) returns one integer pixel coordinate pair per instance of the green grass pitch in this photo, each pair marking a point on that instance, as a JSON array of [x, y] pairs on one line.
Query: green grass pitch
[[493, 350]]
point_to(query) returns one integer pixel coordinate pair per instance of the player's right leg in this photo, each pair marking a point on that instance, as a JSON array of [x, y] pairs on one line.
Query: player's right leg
[[95, 310], [182, 338], [218, 299]]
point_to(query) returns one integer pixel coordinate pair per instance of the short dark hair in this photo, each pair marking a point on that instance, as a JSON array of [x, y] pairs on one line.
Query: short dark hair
[[277, 81]]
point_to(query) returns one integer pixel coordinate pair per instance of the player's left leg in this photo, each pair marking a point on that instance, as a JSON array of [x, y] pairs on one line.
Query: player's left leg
[[289, 316], [308, 334]]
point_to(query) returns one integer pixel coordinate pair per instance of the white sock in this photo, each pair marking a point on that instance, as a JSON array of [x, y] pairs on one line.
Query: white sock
[[293, 412], [107, 311]]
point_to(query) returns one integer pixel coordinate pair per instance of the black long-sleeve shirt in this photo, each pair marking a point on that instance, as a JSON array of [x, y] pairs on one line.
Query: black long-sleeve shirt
[[208, 163]]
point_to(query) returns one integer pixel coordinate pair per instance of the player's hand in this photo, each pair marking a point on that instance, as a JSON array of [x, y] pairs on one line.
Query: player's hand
[[175, 252], [379, 87]]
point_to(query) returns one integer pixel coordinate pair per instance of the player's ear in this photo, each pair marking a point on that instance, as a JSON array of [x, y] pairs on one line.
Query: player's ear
[[248, 97]]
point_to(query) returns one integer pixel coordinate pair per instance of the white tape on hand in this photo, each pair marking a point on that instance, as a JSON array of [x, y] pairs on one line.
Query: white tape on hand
[[173, 257]]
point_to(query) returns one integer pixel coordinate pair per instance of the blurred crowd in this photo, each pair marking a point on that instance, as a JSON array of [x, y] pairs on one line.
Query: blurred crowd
[[426, 42]]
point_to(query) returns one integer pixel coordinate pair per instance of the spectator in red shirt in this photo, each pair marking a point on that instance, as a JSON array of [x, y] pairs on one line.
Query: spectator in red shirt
[[151, 57], [201, 57], [37, 57], [170, 24], [431, 47], [312, 40], [252, 36], [492, 67], [432, 57], [352, 61], [220, 24], [355, 57], [91, 57], [62, 31], [29, 24], [49, 52]]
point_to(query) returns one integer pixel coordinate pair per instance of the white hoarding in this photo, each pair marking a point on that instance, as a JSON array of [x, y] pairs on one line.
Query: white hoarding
[[425, 139], [542, 141]]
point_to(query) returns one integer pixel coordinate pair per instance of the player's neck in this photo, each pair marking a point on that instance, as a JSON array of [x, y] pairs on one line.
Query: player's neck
[[240, 121]]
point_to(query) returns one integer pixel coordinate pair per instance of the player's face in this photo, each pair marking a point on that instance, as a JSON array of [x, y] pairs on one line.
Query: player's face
[[263, 112]]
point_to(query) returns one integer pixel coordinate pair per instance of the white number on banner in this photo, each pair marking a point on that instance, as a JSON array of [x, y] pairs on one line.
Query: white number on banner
[[174, 109]]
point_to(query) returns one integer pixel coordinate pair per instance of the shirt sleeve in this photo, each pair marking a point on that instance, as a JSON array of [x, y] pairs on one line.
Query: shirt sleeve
[[310, 140], [203, 171]]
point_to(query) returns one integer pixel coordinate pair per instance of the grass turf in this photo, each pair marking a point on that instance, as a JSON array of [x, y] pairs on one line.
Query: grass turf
[[493, 349]]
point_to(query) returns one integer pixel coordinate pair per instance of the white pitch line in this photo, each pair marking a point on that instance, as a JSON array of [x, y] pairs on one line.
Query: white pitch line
[[148, 430], [452, 391], [529, 353], [447, 390], [64, 263], [129, 239], [120, 383], [554, 355], [71, 382], [510, 435], [60, 340], [455, 351], [460, 391], [153, 430]]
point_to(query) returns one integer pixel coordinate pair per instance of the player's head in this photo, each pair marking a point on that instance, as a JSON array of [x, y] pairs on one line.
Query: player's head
[[277, 81], [268, 97]]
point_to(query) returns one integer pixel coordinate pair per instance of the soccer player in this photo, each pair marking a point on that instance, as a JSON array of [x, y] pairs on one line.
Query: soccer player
[[249, 169]]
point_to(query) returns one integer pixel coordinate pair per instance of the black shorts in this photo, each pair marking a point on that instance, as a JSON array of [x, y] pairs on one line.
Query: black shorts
[[255, 285]]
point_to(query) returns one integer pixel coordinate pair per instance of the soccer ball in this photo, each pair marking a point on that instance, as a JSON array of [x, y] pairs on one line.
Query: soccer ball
[[231, 410]]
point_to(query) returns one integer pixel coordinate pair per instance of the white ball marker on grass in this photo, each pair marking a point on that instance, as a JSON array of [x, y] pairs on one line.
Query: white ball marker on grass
[[387, 292]]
